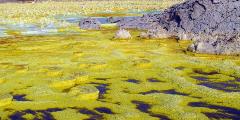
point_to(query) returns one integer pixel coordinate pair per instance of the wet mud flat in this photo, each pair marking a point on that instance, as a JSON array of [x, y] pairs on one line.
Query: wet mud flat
[[41, 76]]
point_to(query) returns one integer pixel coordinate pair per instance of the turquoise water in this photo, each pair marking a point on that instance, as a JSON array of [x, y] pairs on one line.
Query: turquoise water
[[52, 28], [2, 31]]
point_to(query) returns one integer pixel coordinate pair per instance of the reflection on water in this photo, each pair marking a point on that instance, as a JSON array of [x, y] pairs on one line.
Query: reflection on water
[[20, 97], [133, 81], [92, 114], [144, 107], [102, 20], [51, 28], [104, 110], [38, 114], [222, 112], [3, 31], [203, 79], [28, 29]]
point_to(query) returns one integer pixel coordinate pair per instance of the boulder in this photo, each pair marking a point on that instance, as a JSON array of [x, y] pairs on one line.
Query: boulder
[[90, 24], [182, 35], [144, 23], [122, 34], [217, 44], [203, 16], [158, 33]]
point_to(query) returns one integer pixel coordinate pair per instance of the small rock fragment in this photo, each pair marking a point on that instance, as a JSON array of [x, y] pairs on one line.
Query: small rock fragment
[[122, 34]]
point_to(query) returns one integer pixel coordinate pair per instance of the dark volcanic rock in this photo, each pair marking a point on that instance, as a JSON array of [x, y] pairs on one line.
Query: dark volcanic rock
[[156, 34], [118, 19], [4, 1], [212, 24], [215, 24], [193, 16], [203, 16], [228, 44], [147, 21], [90, 24]]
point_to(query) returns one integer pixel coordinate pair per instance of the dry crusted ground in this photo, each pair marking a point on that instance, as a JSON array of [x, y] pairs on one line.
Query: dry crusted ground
[[135, 79]]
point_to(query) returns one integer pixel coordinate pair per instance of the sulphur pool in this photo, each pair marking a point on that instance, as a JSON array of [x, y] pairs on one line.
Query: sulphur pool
[[41, 76]]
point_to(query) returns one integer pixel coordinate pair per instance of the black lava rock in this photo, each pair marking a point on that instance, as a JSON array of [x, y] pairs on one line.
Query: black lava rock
[[213, 24]]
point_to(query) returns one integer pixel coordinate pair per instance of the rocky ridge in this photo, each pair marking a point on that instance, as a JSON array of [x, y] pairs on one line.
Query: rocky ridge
[[198, 20]]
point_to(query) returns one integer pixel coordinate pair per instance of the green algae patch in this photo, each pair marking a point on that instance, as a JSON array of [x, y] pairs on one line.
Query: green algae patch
[[92, 76], [65, 84], [6, 99], [2, 81], [69, 114], [84, 92]]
